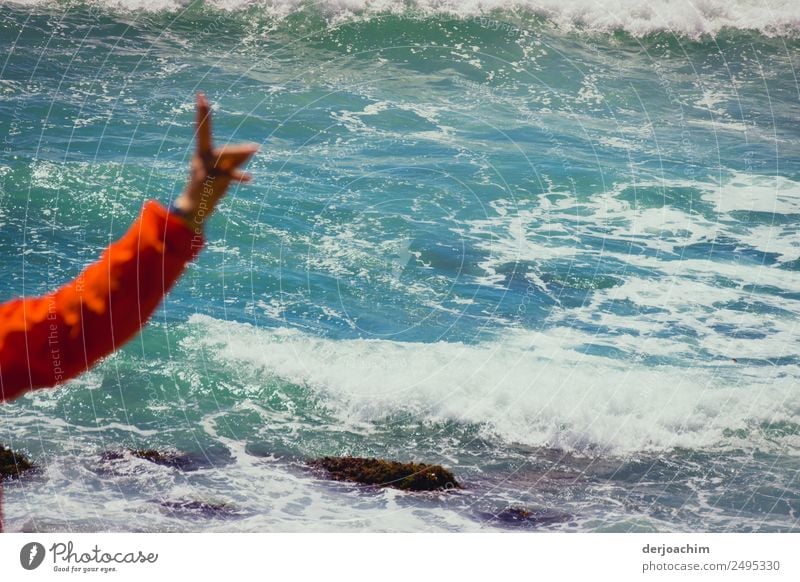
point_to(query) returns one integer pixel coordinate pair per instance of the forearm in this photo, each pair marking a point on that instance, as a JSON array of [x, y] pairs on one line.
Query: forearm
[[47, 340]]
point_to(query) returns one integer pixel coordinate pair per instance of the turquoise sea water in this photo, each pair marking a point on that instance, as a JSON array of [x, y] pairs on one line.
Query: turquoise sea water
[[552, 246]]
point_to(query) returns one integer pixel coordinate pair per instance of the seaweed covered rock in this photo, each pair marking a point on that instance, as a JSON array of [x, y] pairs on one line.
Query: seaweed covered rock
[[405, 476], [12, 464]]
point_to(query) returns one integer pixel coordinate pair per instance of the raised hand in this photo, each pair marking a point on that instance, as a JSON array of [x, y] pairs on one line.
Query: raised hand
[[212, 170]]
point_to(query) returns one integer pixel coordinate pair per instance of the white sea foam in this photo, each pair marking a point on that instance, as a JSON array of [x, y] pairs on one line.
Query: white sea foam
[[674, 302], [539, 232], [533, 388], [751, 192], [684, 17]]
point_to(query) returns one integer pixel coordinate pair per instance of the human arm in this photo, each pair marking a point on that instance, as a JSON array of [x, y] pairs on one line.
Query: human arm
[[47, 340]]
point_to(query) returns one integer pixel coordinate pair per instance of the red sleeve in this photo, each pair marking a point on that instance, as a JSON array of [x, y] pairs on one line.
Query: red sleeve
[[47, 340]]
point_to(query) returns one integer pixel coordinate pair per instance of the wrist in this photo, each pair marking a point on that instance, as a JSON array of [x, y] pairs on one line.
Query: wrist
[[181, 208], [178, 208]]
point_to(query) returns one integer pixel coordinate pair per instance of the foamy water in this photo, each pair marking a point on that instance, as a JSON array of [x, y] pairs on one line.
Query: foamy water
[[524, 241], [531, 388], [685, 17]]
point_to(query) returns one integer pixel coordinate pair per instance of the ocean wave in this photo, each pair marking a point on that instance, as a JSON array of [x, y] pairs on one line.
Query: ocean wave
[[534, 388], [689, 18]]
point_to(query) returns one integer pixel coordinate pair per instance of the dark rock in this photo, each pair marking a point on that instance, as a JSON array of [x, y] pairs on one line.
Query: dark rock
[[521, 516], [176, 459], [12, 464], [199, 508], [405, 476], [167, 458]]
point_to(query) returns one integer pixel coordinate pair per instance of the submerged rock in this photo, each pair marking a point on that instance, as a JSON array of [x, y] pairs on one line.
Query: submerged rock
[[405, 476], [522, 516], [208, 509], [12, 464], [213, 456], [173, 459], [166, 458]]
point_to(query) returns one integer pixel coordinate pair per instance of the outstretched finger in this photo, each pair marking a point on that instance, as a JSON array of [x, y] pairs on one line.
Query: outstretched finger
[[239, 148], [203, 126], [232, 156]]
